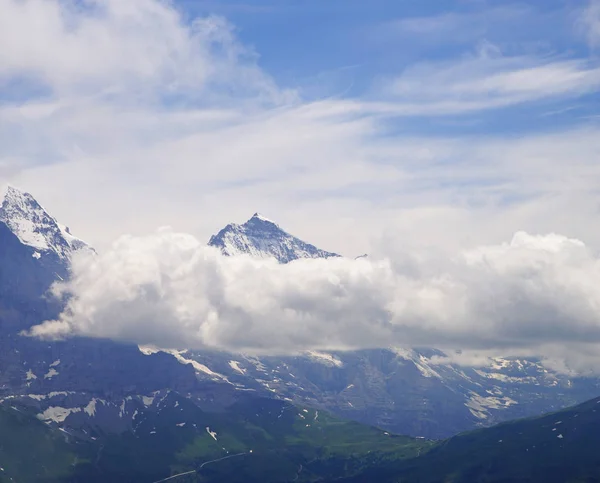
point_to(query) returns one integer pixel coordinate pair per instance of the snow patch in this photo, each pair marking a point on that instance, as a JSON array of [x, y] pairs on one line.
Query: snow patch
[[260, 217], [256, 363], [148, 349], [90, 409], [421, 362], [50, 395], [504, 378], [212, 433], [178, 354], [323, 358], [235, 365], [51, 373], [196, 365], [479, 406], [57, 414]]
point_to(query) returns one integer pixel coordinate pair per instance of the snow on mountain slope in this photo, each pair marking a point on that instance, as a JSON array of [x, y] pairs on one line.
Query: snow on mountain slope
[[34, 227], [399, 388], [263, 238]]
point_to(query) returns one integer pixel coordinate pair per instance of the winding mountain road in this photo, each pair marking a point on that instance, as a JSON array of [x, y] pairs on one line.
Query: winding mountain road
[[202, 466]]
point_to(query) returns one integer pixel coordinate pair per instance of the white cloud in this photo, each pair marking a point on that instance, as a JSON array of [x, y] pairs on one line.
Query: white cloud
[[489, 80], [590, 18], [110, 48], [169, 290]]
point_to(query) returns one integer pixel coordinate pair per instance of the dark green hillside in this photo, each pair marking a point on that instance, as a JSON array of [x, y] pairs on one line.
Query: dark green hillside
[[30, 451], [271, 440], [265, 440], [255, 440], [559, 447]]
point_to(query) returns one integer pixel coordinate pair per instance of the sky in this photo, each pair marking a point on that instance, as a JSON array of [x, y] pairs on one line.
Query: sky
[[386, 127], [340, 120]]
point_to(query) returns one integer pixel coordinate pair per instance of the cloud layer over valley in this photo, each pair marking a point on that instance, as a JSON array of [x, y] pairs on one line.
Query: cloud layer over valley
[[535, 295]]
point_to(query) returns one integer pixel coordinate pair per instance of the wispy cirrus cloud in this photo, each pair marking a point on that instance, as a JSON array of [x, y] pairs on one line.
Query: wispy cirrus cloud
[[457, 27], [590, 18], [489, 80]]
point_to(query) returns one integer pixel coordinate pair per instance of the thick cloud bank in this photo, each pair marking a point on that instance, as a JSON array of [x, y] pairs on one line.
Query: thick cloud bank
[[169, 290]]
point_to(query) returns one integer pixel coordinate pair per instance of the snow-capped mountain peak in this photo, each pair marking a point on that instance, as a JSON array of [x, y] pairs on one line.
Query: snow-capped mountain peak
[[263, 238], [258, 217], [35, 227]]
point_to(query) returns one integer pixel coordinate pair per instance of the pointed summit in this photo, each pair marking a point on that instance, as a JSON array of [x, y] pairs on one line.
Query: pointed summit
[[257, 217], [263, 238], [34, 227]]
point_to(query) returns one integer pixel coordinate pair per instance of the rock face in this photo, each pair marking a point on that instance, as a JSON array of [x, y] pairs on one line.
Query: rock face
[[263, 238], [33, 255], [35, 252], [35, 228]]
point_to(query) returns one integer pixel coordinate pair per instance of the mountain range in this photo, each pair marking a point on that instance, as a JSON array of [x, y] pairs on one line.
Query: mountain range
[[92, 388], [266, 440]]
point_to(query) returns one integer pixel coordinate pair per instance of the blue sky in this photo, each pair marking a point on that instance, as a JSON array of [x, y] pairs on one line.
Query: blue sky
[[398, 116], [347, 48]]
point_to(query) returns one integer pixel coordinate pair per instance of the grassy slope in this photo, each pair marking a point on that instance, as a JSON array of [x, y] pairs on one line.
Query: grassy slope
[[286, 443], [29, 451], [296, 444]]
